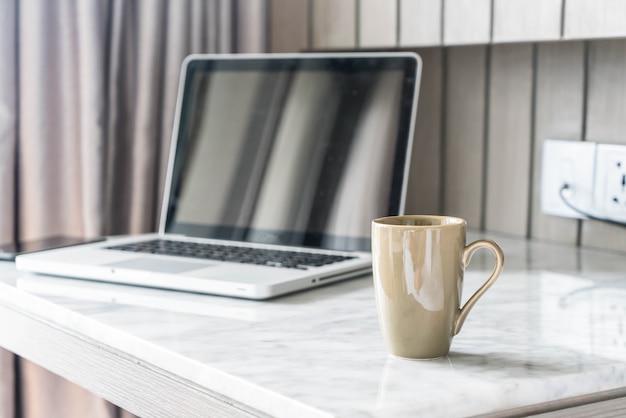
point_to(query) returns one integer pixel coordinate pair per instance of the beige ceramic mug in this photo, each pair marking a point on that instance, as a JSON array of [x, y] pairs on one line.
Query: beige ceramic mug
[[418, 265]]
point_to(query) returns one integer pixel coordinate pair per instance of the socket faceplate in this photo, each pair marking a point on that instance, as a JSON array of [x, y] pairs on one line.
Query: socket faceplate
[[610, 185], [571, 163]]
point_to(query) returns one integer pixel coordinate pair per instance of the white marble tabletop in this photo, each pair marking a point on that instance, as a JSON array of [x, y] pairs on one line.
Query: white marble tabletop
[[553, 327]]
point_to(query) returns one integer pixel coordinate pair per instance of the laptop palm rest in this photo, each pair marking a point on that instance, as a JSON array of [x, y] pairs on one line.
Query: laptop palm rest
[[158, 266]]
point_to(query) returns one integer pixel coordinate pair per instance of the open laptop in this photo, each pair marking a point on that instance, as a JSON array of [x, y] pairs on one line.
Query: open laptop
[[278, 164]]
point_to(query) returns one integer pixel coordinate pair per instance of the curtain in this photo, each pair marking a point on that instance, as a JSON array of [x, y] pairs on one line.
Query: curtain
[[87, 96]]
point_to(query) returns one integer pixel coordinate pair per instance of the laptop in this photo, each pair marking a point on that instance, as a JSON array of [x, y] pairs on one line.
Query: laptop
[[278, 164]]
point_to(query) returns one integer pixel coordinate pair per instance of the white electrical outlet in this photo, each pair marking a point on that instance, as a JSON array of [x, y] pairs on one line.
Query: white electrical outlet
[[610, 184], [571, 163]]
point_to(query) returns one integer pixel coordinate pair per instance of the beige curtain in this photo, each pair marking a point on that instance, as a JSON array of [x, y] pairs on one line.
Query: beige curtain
[[87, 95]]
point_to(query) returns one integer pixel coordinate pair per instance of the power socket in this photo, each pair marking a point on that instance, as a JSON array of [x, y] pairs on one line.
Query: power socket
[[610, 187], [571, 163]]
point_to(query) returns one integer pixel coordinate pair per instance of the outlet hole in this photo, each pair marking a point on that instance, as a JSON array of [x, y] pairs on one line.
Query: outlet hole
[[619, 164], [615, 200]]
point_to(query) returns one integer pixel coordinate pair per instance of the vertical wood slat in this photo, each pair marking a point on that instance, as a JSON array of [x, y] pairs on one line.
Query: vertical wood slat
[[558, 115], [509, 139], [606, 108], [420, 23], [334, 24], [466, 22], [289, 25], [424, 189], [378, 24], [464, 133], [526, 20], [594, 19]]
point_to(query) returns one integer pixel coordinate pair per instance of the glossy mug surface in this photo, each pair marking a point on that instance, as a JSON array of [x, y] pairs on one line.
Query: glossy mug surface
[[418, 265]]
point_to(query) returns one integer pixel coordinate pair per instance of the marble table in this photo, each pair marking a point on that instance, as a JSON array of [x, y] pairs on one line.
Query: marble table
[[550, 334]]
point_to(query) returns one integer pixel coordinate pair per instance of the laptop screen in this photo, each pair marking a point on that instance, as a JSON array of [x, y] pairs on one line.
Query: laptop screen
[[296, 149]]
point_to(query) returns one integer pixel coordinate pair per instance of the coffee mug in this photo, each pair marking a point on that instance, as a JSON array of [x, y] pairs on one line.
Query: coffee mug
[[418, 264]]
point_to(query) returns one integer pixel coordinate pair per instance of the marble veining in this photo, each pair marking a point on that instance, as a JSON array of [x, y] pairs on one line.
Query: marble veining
[[553, 326]]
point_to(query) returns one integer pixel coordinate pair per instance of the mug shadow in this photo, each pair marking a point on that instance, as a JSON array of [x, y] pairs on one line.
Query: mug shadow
[[402, 380]]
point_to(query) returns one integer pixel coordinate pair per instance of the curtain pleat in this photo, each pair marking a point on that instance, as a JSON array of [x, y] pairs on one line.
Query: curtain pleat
[[226, 34], [146, 128], [46, 113], [8, 117], [87, 97], [136, 58], [8, 138], [45, 394], [93, 24], [251, 31], [7, 384], [62, 132]]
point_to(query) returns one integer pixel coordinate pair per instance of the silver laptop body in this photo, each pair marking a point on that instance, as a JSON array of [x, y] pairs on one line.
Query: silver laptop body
[[280, 159]]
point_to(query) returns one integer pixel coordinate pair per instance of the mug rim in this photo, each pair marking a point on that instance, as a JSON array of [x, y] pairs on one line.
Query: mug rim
[[454, 221]]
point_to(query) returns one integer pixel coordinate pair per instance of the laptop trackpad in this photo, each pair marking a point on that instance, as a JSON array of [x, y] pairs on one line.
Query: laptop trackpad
[[158, 265]]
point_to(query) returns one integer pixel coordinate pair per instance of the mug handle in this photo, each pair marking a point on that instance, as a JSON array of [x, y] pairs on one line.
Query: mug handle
[[468, 251]]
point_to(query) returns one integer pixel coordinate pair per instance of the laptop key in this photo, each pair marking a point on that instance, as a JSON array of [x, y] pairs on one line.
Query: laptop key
[[245, 255]]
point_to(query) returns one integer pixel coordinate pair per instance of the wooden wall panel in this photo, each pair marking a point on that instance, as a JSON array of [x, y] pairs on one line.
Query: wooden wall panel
[[420, 23], [466, 22], [526, 20], [333, 24], [289, 25], [594, 19], [378, 24], [606, 122], [509, 139], [449, 162], [466, 77], [558, 115], [424, 190]]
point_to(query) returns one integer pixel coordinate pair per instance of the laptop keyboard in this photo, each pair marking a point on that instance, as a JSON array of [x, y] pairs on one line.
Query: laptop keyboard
[[246, 255]]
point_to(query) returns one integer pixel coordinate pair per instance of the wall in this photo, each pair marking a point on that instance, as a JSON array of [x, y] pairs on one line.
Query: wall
[[486, 108]]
